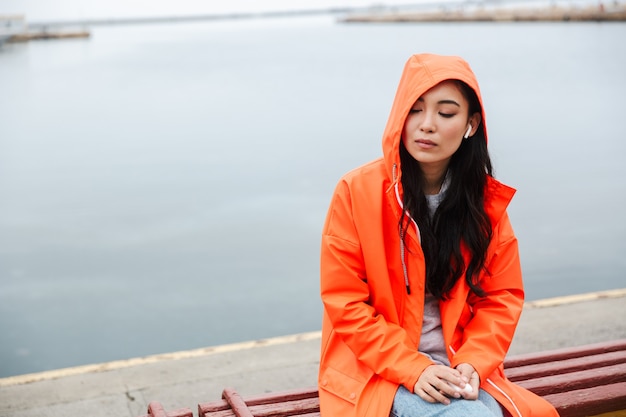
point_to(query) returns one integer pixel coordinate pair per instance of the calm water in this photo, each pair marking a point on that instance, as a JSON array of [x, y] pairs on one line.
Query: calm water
[[163, 187]]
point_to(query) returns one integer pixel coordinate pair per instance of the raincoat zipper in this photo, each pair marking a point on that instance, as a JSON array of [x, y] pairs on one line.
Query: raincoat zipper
[[505, 394]]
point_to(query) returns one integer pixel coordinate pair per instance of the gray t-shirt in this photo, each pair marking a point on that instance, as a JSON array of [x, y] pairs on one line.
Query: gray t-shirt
[[431, 341]]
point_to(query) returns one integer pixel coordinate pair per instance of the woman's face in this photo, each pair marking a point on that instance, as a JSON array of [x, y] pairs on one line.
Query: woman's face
[[436, 124]]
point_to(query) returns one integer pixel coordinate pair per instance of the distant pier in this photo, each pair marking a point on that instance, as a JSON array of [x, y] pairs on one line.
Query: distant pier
[[47, 34], [14, 28], [468, 12]]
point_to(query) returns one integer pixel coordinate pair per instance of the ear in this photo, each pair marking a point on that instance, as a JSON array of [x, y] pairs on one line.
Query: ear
[[474, 120]]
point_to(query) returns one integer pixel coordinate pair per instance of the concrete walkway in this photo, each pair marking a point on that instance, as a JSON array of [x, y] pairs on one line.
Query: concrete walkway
[[184, 379]]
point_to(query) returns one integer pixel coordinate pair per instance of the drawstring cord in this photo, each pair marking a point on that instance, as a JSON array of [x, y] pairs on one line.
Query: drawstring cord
[[404, 271], [401, 231]]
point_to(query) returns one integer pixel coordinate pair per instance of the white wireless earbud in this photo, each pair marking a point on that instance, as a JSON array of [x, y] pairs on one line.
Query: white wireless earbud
[[469, 129]]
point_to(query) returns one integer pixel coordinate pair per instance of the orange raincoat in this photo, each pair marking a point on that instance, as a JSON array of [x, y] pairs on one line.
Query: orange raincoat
[[372, 325]]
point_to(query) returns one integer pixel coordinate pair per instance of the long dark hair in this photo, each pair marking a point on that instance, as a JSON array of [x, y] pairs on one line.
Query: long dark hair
[[460, 220]]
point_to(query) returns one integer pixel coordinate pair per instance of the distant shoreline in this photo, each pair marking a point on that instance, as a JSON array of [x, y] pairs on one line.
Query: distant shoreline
[[596, 13]]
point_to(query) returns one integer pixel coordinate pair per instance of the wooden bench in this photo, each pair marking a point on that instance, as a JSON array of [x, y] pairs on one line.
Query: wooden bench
[[155, 409], [583, 381]]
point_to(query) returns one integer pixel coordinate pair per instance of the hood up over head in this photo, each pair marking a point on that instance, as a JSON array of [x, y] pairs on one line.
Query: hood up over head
[[422, 72]]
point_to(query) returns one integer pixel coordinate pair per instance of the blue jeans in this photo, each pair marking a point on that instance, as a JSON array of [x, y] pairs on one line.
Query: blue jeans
[[407, 404]]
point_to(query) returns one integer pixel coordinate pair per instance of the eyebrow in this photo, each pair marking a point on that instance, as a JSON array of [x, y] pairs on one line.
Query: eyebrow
[[442, 102]]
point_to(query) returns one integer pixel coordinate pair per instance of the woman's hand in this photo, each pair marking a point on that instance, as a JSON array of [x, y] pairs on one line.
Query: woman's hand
[[434, 384], [469, 375]]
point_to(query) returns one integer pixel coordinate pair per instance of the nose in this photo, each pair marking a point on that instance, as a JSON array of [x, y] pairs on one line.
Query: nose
[[427, 122]]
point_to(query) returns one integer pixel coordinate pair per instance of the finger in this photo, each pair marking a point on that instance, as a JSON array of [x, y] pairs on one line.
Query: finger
[[475, 384], [424, 396], [456, 381], [448, 388], [436, 394], [466, 375], [470, 395]]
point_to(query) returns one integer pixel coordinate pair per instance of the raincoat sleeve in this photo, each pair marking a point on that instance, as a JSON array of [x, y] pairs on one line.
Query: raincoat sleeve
[[380, 345], [488, 335]]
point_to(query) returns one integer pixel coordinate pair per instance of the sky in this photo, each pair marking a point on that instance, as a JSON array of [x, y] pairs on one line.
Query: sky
[[46, 10]]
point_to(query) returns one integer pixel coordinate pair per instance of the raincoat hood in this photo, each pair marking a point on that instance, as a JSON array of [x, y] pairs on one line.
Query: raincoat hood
[[421, 73]]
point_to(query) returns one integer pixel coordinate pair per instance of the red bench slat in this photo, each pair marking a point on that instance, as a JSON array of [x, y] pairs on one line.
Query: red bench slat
[[565, 366], [590, 401], [237, 404], [221, 413], [291, 395], [277, 408], [564, 353], [582, 379], [289, 408], [155, 409]]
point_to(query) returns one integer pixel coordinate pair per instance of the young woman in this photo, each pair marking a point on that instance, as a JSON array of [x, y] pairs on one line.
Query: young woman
[[420, 272]]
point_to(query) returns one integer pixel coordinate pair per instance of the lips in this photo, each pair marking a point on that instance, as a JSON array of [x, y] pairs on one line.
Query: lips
[[425, 143]]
